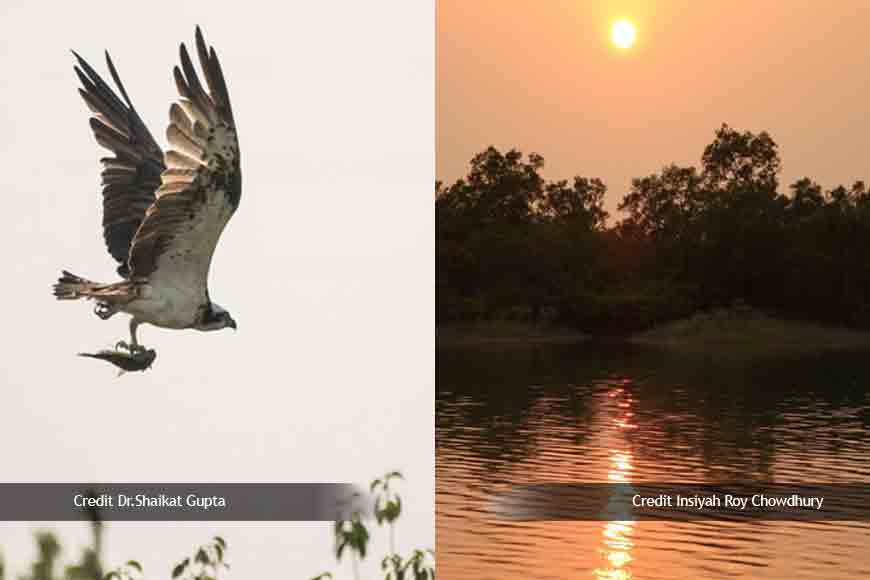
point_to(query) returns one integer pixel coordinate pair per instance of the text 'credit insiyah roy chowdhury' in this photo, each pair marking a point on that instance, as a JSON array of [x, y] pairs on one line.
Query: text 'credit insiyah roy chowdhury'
[[623, 501]]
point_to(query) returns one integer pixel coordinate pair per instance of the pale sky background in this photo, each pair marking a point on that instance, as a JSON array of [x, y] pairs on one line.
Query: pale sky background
[[544, 77], [327, 268]]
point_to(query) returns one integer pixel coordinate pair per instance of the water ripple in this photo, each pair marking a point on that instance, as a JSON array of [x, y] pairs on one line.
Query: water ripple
[[568, 414]]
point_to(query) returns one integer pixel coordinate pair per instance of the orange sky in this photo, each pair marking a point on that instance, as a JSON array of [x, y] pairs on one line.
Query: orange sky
[[543, 77]]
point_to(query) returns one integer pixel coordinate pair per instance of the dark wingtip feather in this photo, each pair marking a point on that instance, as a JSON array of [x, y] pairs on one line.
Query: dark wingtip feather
[[186, 66], [115, 77], [216, 76], [180, 83], [86, 82], [198, 94], [97, 85], [83, 63], [182, 53], [202, 52], [117, 126], [80, 69]]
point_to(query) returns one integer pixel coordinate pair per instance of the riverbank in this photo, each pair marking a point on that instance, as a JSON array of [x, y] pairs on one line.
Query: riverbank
[[747, 332], [504, 332]]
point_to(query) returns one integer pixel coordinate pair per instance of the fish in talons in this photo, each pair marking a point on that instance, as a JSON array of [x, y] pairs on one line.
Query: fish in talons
[[138, 359]]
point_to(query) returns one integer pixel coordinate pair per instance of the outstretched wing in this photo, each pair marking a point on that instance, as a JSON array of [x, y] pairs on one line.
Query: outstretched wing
[[200, 188], [131, 177]]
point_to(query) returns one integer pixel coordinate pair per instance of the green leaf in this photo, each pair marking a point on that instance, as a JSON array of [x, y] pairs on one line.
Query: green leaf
[[134, 564], [360, 537], [220, 541], [179, 569], [393, 509], [202, 556]]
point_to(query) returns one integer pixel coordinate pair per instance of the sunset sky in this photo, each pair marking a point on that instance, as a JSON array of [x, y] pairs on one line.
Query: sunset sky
[[548, 79]]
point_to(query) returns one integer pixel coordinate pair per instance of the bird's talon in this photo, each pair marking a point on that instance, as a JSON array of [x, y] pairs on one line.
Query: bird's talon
[[133, 349]]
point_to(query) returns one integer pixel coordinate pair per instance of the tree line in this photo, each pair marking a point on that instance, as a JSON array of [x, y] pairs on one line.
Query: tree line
[[513, 245]]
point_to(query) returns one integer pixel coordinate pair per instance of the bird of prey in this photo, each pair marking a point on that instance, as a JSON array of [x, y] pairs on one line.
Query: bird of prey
[[163, 213]]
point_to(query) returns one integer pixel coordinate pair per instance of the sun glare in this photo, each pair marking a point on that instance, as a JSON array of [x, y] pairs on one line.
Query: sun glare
[[623, 34]]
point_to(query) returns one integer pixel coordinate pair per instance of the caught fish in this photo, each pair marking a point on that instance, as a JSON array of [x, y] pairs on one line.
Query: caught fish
[[138, 361]]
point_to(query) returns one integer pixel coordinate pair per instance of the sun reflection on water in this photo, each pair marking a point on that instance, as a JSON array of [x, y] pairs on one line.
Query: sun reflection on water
[[616, 543]]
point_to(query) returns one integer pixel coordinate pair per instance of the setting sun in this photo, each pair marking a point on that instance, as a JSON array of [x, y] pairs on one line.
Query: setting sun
[[623, 34]]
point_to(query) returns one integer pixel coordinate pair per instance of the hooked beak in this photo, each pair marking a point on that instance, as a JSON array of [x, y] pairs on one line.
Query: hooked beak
[[232, 324]]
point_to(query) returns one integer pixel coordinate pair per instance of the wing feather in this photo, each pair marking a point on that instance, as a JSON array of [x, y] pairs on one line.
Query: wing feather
[[200, 187], [132, 176], [174, 159], [193, 111], [177, 174], [195, 92], [178, 117], [189, 145]]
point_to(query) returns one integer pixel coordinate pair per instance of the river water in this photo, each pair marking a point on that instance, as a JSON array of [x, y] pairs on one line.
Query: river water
[[516, 415]]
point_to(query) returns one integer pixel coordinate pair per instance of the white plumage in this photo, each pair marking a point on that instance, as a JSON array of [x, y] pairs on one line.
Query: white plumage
[[163, 214]]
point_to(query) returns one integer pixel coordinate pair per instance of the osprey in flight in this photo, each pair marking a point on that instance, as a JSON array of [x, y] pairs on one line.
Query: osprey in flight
[[163, 213]]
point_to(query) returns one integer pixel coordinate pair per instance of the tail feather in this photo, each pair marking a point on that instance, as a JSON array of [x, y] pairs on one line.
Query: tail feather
[[71, 287]]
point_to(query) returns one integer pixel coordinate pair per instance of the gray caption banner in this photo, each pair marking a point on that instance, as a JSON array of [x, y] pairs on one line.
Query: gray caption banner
[[684, 502], [180, 501]]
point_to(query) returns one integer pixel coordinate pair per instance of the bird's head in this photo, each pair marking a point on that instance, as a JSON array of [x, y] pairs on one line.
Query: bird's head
[[215, 318]]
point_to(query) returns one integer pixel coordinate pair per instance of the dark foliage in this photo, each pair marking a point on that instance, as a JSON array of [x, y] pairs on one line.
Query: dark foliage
[[511, 245]]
